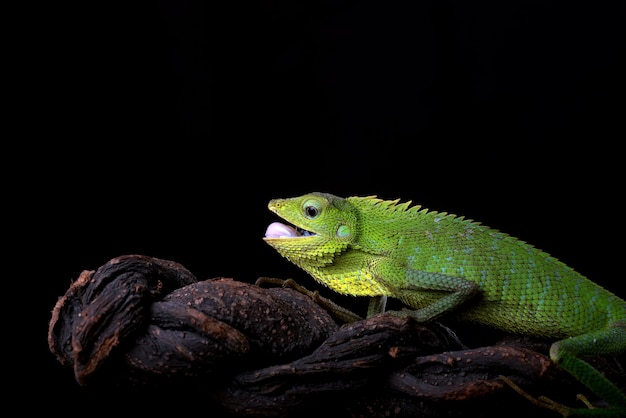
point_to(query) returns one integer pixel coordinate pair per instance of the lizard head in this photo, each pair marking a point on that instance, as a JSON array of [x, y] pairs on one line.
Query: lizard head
[[321, 226]]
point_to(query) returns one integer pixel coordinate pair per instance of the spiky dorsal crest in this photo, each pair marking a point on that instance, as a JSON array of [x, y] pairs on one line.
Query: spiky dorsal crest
[[391, 207], [374, 204], [395, 206]]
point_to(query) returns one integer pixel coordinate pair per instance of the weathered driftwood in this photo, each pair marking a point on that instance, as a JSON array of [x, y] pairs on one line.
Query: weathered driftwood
[[144, 322]]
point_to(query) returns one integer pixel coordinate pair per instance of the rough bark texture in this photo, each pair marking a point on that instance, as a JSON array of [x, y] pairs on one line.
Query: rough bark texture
[[141, 322]]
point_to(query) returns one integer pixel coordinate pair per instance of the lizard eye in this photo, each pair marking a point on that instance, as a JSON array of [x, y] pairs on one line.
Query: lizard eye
[[311, 209]]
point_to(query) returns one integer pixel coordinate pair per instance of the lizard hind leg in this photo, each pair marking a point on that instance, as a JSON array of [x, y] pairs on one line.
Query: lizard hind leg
[[566, 353]]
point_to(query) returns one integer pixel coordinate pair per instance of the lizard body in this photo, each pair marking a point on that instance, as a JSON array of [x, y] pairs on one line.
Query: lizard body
[[442, 264]]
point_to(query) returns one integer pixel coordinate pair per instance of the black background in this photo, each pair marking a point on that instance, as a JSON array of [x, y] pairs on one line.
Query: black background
[[164, 128]]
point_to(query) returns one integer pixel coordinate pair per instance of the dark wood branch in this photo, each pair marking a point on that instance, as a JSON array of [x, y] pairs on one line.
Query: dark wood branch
[[138, 321]]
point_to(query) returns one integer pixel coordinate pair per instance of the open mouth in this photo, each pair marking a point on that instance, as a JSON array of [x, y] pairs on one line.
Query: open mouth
[[280, 230]]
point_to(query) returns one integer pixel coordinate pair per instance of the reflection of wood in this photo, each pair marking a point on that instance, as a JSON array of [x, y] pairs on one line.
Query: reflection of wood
[[274, 352]]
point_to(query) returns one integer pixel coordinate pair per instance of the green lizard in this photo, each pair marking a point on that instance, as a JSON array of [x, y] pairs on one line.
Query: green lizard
[[438, 263]]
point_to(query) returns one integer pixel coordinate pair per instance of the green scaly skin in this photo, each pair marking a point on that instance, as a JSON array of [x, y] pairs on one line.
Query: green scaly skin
[[438, 263]]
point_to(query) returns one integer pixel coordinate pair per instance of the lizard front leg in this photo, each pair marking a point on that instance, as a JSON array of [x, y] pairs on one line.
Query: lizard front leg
[[429, 295]]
